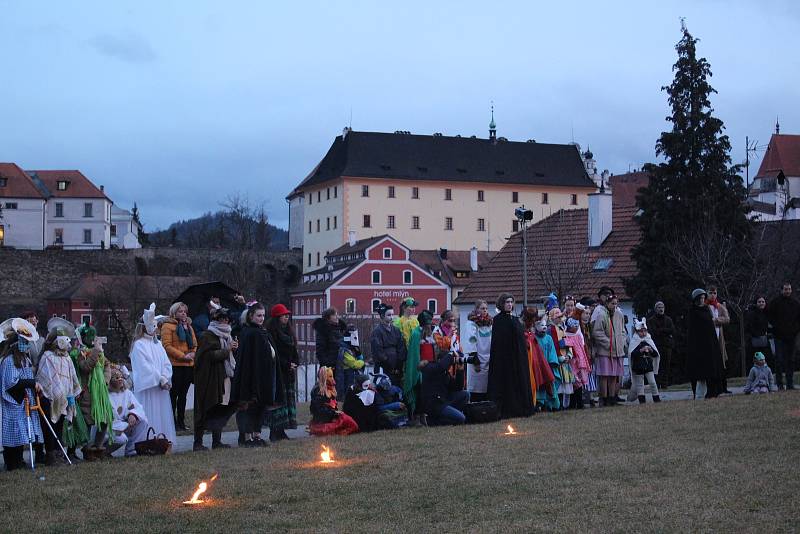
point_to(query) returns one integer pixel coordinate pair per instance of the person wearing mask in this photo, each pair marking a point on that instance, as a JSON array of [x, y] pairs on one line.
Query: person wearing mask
[[388, 347], [326, 417], [662, 330], [281, 332], [509, 384], [704, 359], [784, 314], [442, 400], [180, 342], [35, 348]]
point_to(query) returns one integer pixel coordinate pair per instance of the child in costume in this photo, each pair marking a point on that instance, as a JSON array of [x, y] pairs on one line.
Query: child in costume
[[389, 399], [547, 393], [447, 340], [580, 361], [59, 383], [564, 352], [540, 374], [642, 353], [17, 382], [760, 379], [478, 344], [326, 419], [351, 357], [130, 422], [407, 320], [93, 400]]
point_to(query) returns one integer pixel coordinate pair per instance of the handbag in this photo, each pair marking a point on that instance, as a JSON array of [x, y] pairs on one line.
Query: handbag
[[759, 342], [155, 446], [230, 366], [481, 412]]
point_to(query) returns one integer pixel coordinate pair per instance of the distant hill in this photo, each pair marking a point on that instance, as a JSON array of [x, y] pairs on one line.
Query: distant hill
[[223, 229]]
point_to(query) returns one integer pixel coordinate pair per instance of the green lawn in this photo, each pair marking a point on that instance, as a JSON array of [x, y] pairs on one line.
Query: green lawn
[[728, 464]]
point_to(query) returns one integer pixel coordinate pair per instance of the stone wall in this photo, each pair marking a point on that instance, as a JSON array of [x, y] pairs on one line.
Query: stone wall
[[27, 277]]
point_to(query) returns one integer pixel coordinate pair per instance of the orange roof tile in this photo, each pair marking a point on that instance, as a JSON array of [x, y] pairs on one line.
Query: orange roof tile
[[17, 183], [783, 153], [79, 185]]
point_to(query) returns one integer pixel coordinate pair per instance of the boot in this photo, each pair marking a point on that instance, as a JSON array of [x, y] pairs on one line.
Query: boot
[[198, 440], [278, 435], [656, 398], [642, 399], [578, 399], [216, 440], [40, 456]]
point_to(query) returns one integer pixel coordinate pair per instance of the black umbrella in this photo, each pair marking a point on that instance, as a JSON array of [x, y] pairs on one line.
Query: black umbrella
[[196, 297]]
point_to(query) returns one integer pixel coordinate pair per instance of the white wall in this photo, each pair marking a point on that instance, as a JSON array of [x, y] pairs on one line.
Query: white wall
[[296, 208], [73, 223], [23, 226]]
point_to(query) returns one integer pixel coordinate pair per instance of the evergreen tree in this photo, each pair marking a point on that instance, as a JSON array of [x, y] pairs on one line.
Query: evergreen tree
[[694, 196]]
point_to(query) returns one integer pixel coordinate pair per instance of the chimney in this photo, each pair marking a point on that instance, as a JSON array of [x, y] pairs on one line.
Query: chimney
[[600, 214], [102, 188], [473, 259], [443, 253], [352, 238]]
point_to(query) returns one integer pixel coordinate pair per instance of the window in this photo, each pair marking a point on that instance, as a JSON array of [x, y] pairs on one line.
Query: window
[[375, 304], [481, 225], [574, 200], [391, 191], [3, 182], [302, 308], [376, 277], [364, 190], [603, 264], [367, 222], [387, 253], [314, 307], [448, 223], [514, 196], [515, 225], [309, 258], [87, 236], [350, 306], [319, 196], [310, 198], [432, 306], [59, 209], [415, 222], [113, 230], [390, 221], [448, 194], [11, 205], [415, 192], [545, 198], [61, 185], [327, 223], [329, 193], [87, 209], [334, 222], [317, 225], [480, 195], [309, 227], [407, 277], [59, 233], [318, 258], [335, 191]]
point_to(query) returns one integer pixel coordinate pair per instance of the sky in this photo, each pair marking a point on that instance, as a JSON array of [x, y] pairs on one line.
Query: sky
[[178, 105]]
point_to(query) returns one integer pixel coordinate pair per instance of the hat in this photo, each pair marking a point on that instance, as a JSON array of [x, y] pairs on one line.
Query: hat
[[278, 310], [24, 329], [572, 323], [409, 302], [218, 313], [60, 327], [425, 317], [551, 302], [758, 356], [697, 292], [640, 324]]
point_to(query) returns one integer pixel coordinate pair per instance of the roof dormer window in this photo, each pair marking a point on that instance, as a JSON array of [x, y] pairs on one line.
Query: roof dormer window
[[3, 181], [61, 185]]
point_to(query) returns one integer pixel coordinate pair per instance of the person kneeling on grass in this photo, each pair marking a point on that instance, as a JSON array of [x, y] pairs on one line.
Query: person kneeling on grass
[[443, 401], [760, 379], [130, 422], [326, 418], [391, 408]]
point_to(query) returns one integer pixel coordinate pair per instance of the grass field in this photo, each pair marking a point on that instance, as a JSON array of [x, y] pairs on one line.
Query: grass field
[[728, 464]]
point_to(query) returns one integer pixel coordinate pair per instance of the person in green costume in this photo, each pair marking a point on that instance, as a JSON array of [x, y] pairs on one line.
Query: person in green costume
[[94, 401], [412, 377]]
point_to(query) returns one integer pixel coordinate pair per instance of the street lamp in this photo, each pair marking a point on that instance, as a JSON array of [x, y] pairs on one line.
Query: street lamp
[[524, 215]]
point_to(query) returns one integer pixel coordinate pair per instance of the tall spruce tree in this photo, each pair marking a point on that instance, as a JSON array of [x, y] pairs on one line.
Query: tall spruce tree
[[694, 192]]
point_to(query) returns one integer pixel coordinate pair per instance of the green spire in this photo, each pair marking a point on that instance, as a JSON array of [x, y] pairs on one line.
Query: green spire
[[492, 125]]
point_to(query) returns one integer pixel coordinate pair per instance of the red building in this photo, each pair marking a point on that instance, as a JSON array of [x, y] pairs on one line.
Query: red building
[[357, 278]]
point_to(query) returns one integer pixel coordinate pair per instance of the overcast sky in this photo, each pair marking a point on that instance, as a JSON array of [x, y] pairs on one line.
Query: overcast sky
[[174, 105]]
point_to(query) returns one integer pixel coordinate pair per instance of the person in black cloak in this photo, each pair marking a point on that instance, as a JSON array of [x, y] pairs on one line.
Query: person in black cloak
[[257, 382], [703, 353], [509, 377], [359, 403]]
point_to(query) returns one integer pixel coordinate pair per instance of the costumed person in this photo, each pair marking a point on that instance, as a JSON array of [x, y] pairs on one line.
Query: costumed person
[[180, 342], [421, 348], [447, 340], [556, 330], [477, 343], [388, 347], [760, 379], [59, 383], [326, 419], [86, 332], [721, 318], [509, 378], [35, 348], [94, 402], [703, 356], [570, 305], [610, 344], [547, 395], [643, 358], [152, 375], [389, 399], [586, 306], [130, 422], [542, 379], [351, 358], [579, 363], [330, 330], [213, 366], [257, 384], [359, 403], [282, 332], [407, 321], [17, 383]]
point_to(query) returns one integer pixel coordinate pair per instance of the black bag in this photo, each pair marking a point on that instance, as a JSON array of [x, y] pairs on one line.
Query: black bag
[[481, 412]]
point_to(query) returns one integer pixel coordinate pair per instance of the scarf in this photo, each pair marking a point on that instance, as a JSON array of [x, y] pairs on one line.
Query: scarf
[[480, 320], [446, 329], [284, 336], [223, 332], [185, 335]]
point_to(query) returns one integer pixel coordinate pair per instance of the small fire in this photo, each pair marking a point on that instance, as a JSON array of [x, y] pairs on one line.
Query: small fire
[[327, 457], [201, 488], [511, 431]]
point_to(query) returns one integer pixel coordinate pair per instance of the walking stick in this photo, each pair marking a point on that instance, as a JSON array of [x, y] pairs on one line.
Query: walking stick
[[31, 437], [42, 417]]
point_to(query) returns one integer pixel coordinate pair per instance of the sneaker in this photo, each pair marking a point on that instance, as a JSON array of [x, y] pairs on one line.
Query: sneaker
[[198, 447]]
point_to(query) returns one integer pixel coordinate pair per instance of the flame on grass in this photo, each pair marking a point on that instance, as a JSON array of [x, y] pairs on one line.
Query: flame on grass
[[326, 456], [201, 489], [511, 431]]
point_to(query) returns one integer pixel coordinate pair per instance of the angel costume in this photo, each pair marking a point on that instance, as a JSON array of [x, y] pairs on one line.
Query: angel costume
[[124, 403], [152, 372]]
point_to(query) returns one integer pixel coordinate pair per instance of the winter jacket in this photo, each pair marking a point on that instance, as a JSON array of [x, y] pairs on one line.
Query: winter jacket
[[704, 358], [323, 409], [757, 322], [209, 375], [760, 376], [177, 349], [388, 347], [436, 385], [662, 329], [329, 337], [784, 314], [601, 334]]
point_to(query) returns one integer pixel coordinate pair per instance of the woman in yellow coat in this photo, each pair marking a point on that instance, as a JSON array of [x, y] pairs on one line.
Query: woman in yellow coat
[[180, 342]]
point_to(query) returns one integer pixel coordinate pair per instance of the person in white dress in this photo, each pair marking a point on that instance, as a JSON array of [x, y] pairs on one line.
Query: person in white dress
[[152, 375], [130, 421], [477, 342]]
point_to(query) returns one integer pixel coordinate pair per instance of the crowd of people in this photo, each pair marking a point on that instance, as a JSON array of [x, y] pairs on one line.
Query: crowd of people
[[242, 363]]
